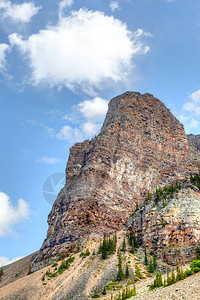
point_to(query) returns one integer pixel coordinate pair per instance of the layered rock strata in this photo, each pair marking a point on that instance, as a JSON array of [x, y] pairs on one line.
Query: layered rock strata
[[141, 145], [171, 227]]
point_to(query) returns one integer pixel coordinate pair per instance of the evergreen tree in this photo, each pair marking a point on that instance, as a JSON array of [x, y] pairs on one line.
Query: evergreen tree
[[158, 281], [104, 253], [178, 272], [124, 245], [132, 248], [151, 266], [127, 274], [198, 253], [104, 291], [1, 273], [169, 280], [173, 277], [154, 261], [96, 295], [120, 274], [145, 257], [137, 207]]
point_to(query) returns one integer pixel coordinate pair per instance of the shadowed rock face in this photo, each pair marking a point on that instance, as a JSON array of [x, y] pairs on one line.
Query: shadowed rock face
[[141, 145]]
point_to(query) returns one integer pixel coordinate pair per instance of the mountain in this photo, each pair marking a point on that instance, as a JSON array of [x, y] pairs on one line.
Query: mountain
[[141, 146]]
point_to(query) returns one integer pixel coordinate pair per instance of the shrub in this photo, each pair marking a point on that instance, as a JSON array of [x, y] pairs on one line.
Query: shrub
[[188, 272], [96, 295]]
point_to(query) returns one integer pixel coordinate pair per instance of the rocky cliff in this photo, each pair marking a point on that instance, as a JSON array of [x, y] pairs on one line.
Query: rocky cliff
[[169, 223], [141, 145]]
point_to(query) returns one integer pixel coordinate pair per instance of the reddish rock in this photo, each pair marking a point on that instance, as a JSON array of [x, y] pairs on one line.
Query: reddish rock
[[171, 227], [141, 145]]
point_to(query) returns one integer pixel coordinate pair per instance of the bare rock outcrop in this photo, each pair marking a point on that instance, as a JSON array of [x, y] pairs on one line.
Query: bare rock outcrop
[[170, 226], [141, 145]]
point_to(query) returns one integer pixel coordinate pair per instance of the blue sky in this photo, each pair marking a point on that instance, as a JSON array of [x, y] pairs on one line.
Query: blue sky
[[60, 64]]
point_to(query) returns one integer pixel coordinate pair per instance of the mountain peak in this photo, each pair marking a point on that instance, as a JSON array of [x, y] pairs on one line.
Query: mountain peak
[[141, 146]]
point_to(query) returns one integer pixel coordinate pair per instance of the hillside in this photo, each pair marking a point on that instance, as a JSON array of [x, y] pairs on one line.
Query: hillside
[[85, 274]]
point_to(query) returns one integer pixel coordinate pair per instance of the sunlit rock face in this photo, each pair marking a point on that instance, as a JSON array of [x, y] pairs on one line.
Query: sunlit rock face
[[141, 145], [170, 227]]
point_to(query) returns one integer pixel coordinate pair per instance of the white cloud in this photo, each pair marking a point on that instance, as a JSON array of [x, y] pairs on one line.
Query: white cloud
[[48, 160], [193, 105], [18, 12], [90, 128], [90, 48], [90, 114], [11, 215], [94, 109], [3, 49], [114, 5], [68, 133], [64, 4], [4, 261], [195, 96]]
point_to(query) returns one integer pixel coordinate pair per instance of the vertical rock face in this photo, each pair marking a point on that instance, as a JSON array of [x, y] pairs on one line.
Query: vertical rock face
[[170, 226], [141, 145]]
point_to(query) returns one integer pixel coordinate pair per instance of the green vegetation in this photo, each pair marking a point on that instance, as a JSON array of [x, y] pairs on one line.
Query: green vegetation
[[198, 253], [132, 241], [124, 245], [1, 273], [137, 207], [127, 274], [65, 264], [138, 273], [96, 295], [104, 291], [108, 247], [84, 254], [163, 194], [157, 282], [120, 274], [54, 265], [125, 294], [145, 257], [195, 266], [173, 278], [195, 179]]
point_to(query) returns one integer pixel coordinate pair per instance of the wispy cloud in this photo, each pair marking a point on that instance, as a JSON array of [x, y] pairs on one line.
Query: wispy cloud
[[3, 49], [114, 5], [18, 12], [190, 113], [64, 4], [48, 160]]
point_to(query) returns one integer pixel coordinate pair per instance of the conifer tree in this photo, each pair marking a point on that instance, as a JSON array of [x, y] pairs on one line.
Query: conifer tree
[[120, 274], [127, 274], [1, 273], [124, 245], [104, 253], [145, 257], [169, 280], [154, 261], [104, 291], [151, 266], [173, 277], [198, 253]]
